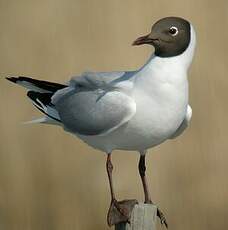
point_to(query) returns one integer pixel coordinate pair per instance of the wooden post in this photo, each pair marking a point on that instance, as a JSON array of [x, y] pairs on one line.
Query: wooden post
[[143, 217]]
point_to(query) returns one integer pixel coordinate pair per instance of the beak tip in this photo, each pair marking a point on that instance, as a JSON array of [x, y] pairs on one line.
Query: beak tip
[[141, 40], [137, 42]]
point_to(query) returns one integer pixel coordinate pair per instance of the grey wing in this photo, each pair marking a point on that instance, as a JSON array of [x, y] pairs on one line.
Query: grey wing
[[184, 123], [94, 112], [95, 103]]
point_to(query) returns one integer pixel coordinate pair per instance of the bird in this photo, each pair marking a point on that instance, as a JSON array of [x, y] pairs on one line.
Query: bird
[[125, 110]]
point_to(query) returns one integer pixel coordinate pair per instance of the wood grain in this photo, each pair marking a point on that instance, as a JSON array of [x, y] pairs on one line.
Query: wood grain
[[143, 217]]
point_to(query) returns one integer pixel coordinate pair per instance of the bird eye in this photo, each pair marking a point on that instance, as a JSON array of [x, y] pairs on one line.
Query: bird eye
[[173, 31]]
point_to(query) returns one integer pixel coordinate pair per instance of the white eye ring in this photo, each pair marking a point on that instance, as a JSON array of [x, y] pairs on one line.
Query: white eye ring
[[173, 31]]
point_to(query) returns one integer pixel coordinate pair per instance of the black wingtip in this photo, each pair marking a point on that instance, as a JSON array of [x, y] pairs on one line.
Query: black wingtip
[[12, 79]]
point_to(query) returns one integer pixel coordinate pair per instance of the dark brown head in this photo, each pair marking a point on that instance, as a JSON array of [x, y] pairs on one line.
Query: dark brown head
[[170, 37]]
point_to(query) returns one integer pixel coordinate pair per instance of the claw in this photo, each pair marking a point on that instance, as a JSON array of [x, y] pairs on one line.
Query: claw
[[162, 218], [160, 215], [120, 211]]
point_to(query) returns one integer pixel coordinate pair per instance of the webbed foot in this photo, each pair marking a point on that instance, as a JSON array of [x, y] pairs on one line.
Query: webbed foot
[[120, 211]]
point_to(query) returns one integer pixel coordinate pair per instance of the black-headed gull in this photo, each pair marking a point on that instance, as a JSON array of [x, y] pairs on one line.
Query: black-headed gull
[[130, 110]]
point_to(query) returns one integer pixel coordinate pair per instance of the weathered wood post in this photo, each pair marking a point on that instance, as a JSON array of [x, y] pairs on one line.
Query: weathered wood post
[[143, 217]]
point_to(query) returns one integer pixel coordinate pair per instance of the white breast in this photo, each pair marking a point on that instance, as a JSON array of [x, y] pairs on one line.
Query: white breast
[[161, 95]]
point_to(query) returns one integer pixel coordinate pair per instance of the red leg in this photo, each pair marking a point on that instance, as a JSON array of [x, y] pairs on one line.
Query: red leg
[[142, 172], [118, 211]]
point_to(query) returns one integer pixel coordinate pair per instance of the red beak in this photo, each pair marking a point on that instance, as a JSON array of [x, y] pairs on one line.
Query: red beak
[[144, 40]]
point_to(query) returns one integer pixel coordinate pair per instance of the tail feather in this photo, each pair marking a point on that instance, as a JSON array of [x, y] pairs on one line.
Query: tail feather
[[42, 101], [44, 120], [36, 85], [41, 92]]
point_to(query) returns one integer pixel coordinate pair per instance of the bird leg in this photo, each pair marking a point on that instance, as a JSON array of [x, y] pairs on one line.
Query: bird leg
[[142, 172], [119, 211]]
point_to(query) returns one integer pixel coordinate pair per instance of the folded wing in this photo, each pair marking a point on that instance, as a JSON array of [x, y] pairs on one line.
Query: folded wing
[[93, 105]]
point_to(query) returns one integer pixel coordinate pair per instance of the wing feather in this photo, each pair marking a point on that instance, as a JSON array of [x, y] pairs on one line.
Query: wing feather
[[95, 103], [90, 113]]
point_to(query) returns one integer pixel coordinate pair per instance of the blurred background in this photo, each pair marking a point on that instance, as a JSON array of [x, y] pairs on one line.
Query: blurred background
[[50, 180]]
